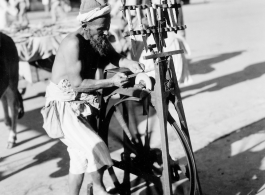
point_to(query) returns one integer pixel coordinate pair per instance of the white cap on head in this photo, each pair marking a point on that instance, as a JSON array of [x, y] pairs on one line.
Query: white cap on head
[[91, 9]]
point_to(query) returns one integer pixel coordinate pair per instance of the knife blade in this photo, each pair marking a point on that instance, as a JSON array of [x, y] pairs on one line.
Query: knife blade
[[159, 19], [138, 13], [150, 24], [176, 11], [130, 26], [171, 14], [154, 24]]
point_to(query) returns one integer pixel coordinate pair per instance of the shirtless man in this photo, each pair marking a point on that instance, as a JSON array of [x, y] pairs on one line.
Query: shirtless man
[[73, 92]]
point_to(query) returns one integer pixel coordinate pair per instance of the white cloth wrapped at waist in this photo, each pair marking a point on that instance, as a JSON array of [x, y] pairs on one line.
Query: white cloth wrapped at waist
[[82, 103], [87, 151]]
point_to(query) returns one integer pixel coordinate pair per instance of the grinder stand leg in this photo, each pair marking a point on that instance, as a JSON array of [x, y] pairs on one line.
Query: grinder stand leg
[[162, 109]]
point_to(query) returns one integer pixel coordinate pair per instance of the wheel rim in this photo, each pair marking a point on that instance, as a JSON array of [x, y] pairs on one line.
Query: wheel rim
[[142, 155]]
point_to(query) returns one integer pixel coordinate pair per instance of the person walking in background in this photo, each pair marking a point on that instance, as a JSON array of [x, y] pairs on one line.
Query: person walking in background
[[22, 7], [46, 4], [7, 11], [174, 41], [59, 9]]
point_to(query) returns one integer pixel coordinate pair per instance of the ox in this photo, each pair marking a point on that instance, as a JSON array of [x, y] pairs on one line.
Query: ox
[[10, 96]]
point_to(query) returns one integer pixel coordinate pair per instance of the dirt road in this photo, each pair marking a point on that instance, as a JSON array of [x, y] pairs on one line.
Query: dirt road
[[224, 108]]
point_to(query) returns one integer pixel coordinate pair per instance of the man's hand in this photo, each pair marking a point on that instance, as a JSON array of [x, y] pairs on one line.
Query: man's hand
[[136, 67], [119, 79]]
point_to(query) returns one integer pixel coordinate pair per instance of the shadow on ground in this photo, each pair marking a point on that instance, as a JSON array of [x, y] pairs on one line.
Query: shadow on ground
[[251, 72], [234, 164], [227, 171], [205, 66], [33, 120]]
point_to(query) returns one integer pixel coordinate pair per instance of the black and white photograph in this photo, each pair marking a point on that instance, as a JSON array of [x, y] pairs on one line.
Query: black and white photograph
[[132, 97]]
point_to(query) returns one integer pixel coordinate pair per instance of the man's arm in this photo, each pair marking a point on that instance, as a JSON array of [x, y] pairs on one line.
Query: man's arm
[[134, 66], [120, 61], [88, 85], [74, 67]]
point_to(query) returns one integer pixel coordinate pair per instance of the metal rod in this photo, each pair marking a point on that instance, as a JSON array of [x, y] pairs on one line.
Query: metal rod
[[164, 54]]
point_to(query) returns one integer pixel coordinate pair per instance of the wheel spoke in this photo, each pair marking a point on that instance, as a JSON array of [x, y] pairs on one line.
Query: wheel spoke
[[146, 162], [122, 123]]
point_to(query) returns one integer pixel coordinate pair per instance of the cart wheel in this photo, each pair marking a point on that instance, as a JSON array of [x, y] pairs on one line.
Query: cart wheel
[[138, 156]]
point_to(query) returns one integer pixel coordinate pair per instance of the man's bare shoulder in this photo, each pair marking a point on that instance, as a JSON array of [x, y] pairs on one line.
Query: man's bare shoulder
[[71, 41], [67, 58]]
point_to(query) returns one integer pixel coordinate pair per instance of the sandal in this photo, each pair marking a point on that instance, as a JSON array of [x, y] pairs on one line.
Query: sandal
[[90, 189]]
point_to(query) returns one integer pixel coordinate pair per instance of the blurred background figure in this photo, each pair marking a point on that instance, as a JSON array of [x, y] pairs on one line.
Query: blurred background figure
[[174, 41], [7, 14], [22, 7], [59, 9], [46, 4], [119, 28], [9, 95]]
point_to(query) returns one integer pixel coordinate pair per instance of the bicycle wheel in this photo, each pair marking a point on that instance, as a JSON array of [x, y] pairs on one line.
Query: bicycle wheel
[[138, 156]]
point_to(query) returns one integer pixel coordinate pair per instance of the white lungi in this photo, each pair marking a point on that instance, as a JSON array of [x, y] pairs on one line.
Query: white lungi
[[87, 150]]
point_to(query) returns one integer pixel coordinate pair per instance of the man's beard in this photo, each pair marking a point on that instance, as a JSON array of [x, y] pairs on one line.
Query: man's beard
[[100, 44]]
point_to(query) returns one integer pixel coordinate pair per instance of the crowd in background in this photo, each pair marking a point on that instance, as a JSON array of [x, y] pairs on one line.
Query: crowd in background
[[174, 41], [14, 12]]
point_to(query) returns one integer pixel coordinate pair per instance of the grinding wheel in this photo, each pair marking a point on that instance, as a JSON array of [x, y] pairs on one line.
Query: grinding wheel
[[144, 79]]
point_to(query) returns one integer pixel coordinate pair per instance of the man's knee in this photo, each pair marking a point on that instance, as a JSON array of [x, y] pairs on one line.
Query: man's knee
[[78, 162]]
